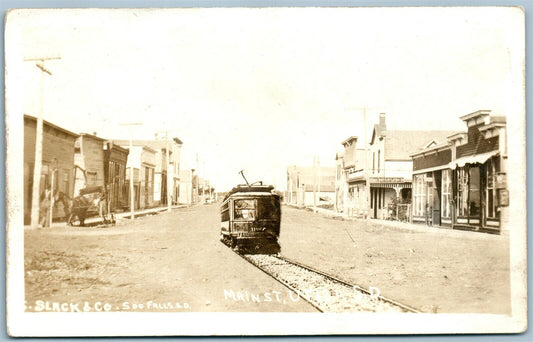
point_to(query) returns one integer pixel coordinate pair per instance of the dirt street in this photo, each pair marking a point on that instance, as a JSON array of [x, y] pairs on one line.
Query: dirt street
[[174, 262], [431, 269], [167, 262]]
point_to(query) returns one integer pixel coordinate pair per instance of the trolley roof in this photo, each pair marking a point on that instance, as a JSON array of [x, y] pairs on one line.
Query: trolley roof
[[250, 188]]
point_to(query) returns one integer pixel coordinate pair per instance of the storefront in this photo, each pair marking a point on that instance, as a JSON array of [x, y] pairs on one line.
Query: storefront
[[462, 183], [432, 186], [390, 198], [480, 191]]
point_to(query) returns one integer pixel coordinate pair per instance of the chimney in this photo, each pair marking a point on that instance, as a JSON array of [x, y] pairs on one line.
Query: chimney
[[94, 133], [382, 121]]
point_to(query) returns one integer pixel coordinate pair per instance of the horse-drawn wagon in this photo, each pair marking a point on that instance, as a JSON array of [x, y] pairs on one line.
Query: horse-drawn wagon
[[92, 201]]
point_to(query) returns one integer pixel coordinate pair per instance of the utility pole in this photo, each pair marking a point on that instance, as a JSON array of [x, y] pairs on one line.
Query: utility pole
[[318, 166], [366, 154], [132, 202], [367, 180], [314, 183], [197, 179], [38, 141]]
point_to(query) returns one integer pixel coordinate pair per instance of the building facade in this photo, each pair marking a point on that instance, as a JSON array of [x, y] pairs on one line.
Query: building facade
[[57, 158], [309, 186], [115, 160], [351, 179], [463, 183], [390, 168], [89, 162]]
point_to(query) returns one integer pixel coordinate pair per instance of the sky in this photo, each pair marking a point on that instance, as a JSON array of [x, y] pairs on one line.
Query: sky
[[262, 89]]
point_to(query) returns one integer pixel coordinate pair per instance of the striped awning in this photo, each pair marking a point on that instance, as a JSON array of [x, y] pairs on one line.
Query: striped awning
[[391, 185], [475, 159]]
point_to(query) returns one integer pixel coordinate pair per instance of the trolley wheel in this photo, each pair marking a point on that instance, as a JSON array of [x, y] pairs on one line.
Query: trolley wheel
[[233, 242]]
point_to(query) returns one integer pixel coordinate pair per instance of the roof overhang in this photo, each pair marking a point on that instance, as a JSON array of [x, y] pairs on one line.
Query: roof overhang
[[474, 159]]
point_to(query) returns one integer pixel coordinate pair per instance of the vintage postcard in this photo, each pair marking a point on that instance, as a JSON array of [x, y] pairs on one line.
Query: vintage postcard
[[265, 171]]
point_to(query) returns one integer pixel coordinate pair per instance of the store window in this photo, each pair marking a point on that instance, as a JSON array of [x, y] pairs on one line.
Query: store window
[[491, 171], [446, 193], [419, 194], [474, 191], [462, 192]]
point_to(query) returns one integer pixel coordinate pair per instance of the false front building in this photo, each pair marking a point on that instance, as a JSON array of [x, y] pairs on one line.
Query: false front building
[[462, 183]]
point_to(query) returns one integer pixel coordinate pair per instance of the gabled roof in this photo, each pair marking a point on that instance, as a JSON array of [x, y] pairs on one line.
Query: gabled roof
[[346, 141], [399, 145]]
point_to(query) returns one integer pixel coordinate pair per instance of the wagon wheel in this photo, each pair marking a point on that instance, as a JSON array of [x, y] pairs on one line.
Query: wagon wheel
[[75, 221]]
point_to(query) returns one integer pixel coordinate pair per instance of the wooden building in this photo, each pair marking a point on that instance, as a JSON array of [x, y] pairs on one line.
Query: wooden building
[[57, 157], [115, 159], [462, 183], [390, 168]]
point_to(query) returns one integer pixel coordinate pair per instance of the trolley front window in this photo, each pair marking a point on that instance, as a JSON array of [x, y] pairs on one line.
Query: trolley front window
[[245, 209]]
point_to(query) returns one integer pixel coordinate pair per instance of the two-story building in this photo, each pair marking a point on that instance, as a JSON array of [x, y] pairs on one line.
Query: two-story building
[[391, 167], [351, 179]]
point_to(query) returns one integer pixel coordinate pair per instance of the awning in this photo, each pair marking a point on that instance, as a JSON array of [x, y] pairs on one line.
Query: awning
[[391, 185], [475, 159]]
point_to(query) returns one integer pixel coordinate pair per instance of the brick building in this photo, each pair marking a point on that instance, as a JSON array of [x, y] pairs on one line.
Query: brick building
[[57, 157]]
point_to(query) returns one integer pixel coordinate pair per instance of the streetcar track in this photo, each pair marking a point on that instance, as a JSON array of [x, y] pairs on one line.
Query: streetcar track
[[326, 293]]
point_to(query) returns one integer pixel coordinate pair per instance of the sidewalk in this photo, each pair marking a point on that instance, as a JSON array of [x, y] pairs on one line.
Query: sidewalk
[[393, 224], [95, 220]]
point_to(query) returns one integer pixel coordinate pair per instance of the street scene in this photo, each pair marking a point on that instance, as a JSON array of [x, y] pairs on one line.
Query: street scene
[[232, 161], [160, 261]]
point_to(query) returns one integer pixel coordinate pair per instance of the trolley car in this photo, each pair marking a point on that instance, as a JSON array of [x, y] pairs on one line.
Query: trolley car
[[250, 218]]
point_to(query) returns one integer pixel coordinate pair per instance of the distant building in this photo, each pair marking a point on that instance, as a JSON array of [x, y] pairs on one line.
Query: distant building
[[115, 161], [185, 187], [351, 179], [57, 157], [100, 162], [143, 161], [463, 183], [159, 186], [307, 186]]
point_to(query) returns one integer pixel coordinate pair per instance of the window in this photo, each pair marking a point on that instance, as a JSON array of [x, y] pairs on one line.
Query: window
[[491, 170], [419, 196], [474, 192], [462, 192], [373, 162], [244, 209], [446, 193], [379, 158]]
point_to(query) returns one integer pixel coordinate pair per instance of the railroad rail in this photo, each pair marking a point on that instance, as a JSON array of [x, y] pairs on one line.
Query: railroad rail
[[323, 291]]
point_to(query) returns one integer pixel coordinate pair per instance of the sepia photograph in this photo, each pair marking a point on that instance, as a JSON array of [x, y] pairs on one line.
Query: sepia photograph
[[265, 171]]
